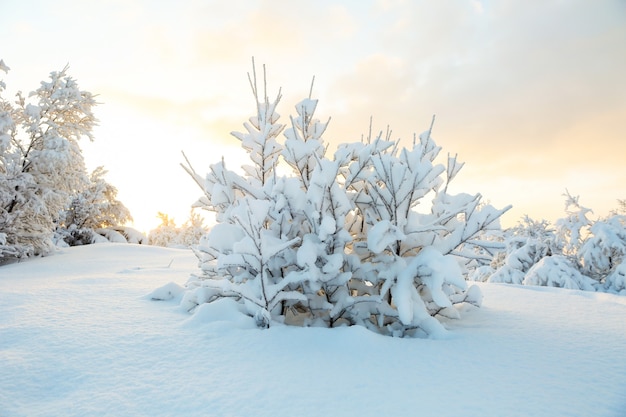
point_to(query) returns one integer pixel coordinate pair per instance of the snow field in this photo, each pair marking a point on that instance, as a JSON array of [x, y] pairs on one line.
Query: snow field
[[80, 337]]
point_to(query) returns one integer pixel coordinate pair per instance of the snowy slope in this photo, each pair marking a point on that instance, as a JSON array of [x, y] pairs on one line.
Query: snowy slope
[[79, 337]]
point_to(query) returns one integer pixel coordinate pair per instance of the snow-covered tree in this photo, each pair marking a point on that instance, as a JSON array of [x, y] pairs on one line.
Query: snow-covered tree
[[370, 236], [170, 235], [165, 233], [41, 165], [94, 207]]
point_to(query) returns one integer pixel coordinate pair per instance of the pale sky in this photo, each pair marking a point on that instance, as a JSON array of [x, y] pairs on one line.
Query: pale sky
[[531, 94]]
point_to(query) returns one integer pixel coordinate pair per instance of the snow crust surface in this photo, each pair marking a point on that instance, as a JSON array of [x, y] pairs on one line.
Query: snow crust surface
[[81, 336]]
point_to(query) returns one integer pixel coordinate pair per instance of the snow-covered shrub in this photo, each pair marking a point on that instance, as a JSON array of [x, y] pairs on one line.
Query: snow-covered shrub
[[169, 235], [525, 245], [339, 240], [579, 252], [605, 248], [558, 271], [74, 236]]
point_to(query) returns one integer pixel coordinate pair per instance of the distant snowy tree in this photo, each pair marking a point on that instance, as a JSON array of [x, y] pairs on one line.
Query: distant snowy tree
[[165, 233], [170, 235], [574, 227], [338, 240], [192, 229]]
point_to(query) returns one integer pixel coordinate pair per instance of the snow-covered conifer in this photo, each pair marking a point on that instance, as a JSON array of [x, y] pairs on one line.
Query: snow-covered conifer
[[338, 241], [253, 208]]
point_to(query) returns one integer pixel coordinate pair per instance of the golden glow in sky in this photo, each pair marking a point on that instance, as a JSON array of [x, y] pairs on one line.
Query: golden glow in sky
[[530, 95]]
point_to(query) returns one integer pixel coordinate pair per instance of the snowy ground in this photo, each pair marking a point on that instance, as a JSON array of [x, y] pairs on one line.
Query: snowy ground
[[79, 337]]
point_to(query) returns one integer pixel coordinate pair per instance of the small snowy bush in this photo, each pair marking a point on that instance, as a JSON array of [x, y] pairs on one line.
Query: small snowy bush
[[339, 240]]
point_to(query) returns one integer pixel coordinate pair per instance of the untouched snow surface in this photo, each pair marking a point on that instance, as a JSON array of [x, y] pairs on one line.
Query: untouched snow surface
[[80, 337]]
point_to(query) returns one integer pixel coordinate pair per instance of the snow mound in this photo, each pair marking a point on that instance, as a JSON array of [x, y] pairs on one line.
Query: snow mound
[[224, 314], [169, 291]]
